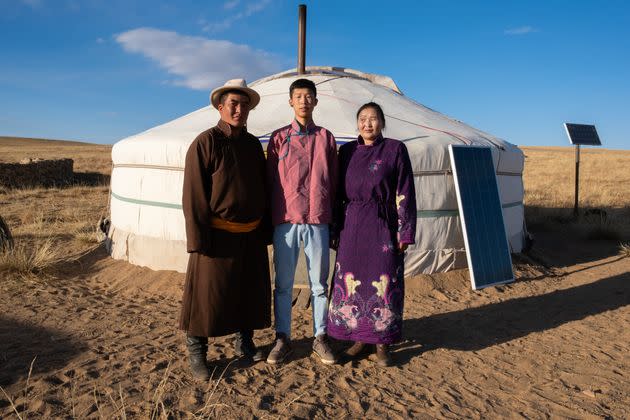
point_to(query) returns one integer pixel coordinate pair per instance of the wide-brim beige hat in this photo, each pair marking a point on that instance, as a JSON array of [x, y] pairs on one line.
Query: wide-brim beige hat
[[235, 84]]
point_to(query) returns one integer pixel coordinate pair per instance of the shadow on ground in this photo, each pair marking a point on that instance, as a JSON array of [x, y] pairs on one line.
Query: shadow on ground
[[477, 328], [83, 263], [562, 234], [554, 249], [90, 179], [20, 343], [561, 239]]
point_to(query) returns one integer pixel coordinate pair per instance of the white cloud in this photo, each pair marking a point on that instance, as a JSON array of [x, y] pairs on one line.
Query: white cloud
[[199, 63], [226, 23], [231, 4], [521, 30], [100, 41], [256, 7]]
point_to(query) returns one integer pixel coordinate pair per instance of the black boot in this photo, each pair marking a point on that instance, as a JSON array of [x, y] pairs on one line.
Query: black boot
[[244, 346], [197, 350]]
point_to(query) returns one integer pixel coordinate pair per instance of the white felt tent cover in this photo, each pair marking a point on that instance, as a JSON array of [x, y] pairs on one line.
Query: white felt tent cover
[[147, 223]]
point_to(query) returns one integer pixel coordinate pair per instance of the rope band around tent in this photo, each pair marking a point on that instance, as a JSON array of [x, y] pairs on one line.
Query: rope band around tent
[[142, 166], [420, 214], [146, 202], [179, 169], [423, 214], [450, 172]]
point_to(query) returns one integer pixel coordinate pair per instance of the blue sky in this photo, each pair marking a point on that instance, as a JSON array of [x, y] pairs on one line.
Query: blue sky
[[101, 70]]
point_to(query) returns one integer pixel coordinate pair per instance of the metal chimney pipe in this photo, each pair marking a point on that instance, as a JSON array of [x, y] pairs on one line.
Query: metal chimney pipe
[[301, 66]]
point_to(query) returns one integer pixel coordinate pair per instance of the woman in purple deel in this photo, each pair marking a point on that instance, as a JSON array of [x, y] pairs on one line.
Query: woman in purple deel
[[375, 221]]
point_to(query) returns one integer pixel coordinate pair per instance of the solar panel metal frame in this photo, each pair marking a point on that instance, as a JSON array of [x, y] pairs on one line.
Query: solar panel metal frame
[[575, 139], [463, 219]]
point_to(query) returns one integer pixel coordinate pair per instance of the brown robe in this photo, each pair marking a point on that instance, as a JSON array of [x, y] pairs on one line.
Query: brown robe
[[227, 285]]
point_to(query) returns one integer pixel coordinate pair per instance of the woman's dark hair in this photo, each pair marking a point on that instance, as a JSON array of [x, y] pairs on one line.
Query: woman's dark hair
[[376, 107]]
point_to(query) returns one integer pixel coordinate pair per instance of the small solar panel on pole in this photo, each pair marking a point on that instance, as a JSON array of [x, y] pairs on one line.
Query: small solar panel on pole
[[580, 134]]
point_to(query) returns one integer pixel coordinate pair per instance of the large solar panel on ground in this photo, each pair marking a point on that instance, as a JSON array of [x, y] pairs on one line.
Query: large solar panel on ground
[[583, 134], [481, 216]]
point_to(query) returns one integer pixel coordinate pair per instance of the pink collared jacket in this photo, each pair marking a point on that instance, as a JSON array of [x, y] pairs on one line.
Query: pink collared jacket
[[302, 174]]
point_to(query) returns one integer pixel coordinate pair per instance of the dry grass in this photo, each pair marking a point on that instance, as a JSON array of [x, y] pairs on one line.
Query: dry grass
[[112, 405], [52, 225], [93, 158], [549, 180], [549, 177], [24, 413], [24, 259], [89, 234]]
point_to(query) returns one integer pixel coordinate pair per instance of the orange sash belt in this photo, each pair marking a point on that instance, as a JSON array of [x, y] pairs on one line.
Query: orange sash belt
[[234, 227]]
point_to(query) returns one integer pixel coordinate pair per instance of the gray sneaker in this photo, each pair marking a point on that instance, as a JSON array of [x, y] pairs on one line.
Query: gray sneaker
[[280, 350], [322, 349]]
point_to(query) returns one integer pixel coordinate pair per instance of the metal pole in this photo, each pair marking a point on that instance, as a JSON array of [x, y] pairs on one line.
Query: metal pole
[[301, 66], [577, 178]]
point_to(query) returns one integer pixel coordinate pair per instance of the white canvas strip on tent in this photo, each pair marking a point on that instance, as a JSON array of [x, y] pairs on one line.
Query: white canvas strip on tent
[[147, 224]]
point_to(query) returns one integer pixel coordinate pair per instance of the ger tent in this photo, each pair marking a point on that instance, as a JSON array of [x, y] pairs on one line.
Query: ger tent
[[147, 224]]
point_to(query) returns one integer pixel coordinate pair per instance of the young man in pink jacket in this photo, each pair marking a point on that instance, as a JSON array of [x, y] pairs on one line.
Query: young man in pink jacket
[[302, 171]]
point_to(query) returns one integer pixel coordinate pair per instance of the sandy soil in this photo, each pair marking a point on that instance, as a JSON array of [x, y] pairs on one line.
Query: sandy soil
[[102, 342]]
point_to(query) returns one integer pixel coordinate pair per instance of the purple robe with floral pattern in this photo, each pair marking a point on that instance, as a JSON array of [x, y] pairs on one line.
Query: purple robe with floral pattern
[[375, 210]]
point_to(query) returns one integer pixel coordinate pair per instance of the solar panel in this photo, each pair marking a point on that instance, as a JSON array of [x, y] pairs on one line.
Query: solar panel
[[481, 215], [582, 134]]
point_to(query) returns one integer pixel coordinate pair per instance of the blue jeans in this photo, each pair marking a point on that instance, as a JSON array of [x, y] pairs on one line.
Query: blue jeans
[[286, 246]]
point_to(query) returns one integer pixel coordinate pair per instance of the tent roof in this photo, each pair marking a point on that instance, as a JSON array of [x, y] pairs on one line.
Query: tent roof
[[378, 79], [340, 92]]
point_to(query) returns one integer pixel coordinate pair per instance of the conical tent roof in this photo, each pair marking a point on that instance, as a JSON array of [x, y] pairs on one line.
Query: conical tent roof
[[147, 224]]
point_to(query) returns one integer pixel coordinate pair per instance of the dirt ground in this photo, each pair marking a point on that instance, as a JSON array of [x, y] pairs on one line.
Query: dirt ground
[[103, 343], [100, 335]]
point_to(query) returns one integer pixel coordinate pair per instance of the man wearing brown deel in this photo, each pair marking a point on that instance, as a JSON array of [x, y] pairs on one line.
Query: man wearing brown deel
[[227, 287]]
